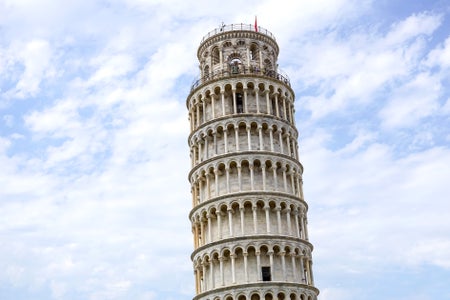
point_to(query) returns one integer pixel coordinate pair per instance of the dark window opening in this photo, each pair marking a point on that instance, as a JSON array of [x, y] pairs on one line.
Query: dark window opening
[[239, 103], [266, 274]]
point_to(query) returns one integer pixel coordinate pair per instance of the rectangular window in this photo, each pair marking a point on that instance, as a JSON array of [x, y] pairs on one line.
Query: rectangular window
[[266, 276]]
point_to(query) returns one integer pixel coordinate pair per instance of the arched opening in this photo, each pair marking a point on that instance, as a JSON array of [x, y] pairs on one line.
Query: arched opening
[[206, 72], [215, 56]]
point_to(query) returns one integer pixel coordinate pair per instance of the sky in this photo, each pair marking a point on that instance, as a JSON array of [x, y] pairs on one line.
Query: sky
[[94, 196]]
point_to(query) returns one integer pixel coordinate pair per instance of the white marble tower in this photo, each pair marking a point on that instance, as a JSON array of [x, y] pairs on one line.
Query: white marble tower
[[249, 214]]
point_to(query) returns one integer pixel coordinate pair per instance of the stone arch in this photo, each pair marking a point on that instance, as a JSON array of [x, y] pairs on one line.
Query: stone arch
[[281, 296], [206, 72], [255, 296], [254, 52], [215, 55]]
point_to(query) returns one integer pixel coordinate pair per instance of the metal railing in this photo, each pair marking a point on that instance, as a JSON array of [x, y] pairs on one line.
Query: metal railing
[[236, 27], [239, 71]]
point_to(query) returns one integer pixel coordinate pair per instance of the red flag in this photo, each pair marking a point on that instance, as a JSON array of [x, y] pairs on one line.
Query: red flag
[[256, 25]]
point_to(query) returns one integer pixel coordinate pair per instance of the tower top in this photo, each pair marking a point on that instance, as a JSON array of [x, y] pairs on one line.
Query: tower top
[[236, 31], [237, 27]]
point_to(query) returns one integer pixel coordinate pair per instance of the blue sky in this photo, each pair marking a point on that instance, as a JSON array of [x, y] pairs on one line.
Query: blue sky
[[94, 196]]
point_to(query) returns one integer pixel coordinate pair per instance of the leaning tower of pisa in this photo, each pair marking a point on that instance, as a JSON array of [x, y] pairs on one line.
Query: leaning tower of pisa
[[249, 214]]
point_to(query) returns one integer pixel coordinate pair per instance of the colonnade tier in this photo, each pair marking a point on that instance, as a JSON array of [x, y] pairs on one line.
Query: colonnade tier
[[246, 172], [245, 218], [254, 95], [262, 291], [242, 134], [231, 264], [269, 243]]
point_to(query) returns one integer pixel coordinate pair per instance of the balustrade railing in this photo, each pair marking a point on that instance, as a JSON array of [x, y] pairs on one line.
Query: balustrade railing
[[236, 27]]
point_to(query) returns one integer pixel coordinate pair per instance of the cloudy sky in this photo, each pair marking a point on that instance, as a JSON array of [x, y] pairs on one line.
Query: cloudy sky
[[94, 196]]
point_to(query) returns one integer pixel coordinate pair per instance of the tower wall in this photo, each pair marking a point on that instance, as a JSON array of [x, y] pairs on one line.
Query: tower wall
[[249, 217]]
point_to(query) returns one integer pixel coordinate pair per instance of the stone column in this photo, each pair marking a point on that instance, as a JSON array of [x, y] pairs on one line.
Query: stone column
[[302, 273], [222, 277], [198, 114], [206, 154], [275, 178], [245, 254], [297, 224], [280, 137], [263, 170], [267, 219], [288, 141], [208, 187], [197, 281], [234, 101], [252, 177], [233, 270], [216, 181], [202, 232], [294, 266], [257, 100], [242, 211], [288, 220], [213, 114], [236, 135], [308, 272], [261, 141], [195, 229], [230, 221], [255, 219], [204, 110], [302, 228], [208, 217], [249, 138], [283, 264], [204, 286], [239, 169], [271, 263], [292, 174], [222, 94], [278, 210], [305, 220], [211, 274], [200, 187], [225, 140], [271, 139], [258, 265], [283, 169], [245, 101], [219, 224], [277, 110], [227, 171]]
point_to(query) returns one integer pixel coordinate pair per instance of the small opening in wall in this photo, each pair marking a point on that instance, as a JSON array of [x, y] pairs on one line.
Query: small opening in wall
[[239, 103], [266, 276]]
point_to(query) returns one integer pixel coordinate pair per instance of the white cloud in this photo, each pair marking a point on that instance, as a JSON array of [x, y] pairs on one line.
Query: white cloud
[[412, 101], [359, 68], [440, 56], [35, 56], [411, 27], [369, 199]]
